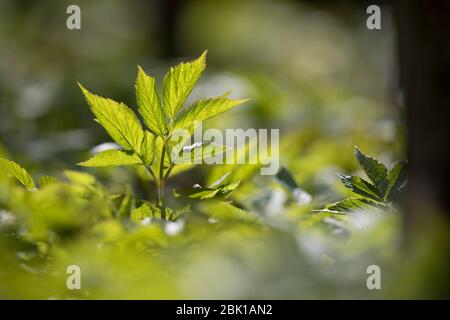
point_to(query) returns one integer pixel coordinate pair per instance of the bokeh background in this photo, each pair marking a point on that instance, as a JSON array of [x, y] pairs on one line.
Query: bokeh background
[[311, 69]]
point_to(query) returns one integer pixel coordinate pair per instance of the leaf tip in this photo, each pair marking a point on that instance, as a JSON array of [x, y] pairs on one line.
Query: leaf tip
[[83, 89], [204, 55], [140, 70]]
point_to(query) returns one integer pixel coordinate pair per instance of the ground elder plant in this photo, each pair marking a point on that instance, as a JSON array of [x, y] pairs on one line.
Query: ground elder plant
[[152, 146], [384, 186]]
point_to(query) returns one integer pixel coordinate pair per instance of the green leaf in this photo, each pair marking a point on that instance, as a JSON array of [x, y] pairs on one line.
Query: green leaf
[[207, 193], [194, 155], [148, 148], [205, 109], [196, 193], [374, 169], [80, 178], [352, 204], [220, 180], [112, 158], [139, 214], [149, 103], [361, 187], [179, 82], [46, 180], [226, 212], [19, 173], [396, 178], [118, 120]]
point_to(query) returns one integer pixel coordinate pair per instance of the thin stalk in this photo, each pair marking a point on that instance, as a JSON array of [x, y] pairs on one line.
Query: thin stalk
[[166, 176], [161, 184]]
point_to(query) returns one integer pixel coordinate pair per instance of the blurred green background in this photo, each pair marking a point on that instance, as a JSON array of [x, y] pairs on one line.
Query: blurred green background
[[311, 69]]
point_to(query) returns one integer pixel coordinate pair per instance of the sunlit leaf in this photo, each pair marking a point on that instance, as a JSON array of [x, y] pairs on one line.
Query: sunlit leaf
[[149, 103], [200, 153], [205, 109], [139, 214], [179, 82], [46, 180], [112, 158], [207, 193], [18, 172], [118, 120], [81, 178]]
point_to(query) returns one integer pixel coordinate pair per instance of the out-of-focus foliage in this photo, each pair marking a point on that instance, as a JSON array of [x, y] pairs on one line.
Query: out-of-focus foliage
[[312, 70], [216, 249]]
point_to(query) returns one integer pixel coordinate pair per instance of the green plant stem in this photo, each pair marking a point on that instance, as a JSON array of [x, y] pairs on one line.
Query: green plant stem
[[161, 183], [166, 176]]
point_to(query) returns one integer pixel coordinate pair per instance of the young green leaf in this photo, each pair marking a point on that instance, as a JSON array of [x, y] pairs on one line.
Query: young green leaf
[[202, 152], [112, 158], [205, 109], [361, 187], [46, 180], [196, 193], [149, 103], [207, 193], [139, 214], [226, 212], [179, 82], [80, 178], [374, 169], [118, 120], [19, 173]]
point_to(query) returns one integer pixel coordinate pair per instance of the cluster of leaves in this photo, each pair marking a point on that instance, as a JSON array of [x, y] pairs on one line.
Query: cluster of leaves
[[153, 148], [80, 212], [382, 189]]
